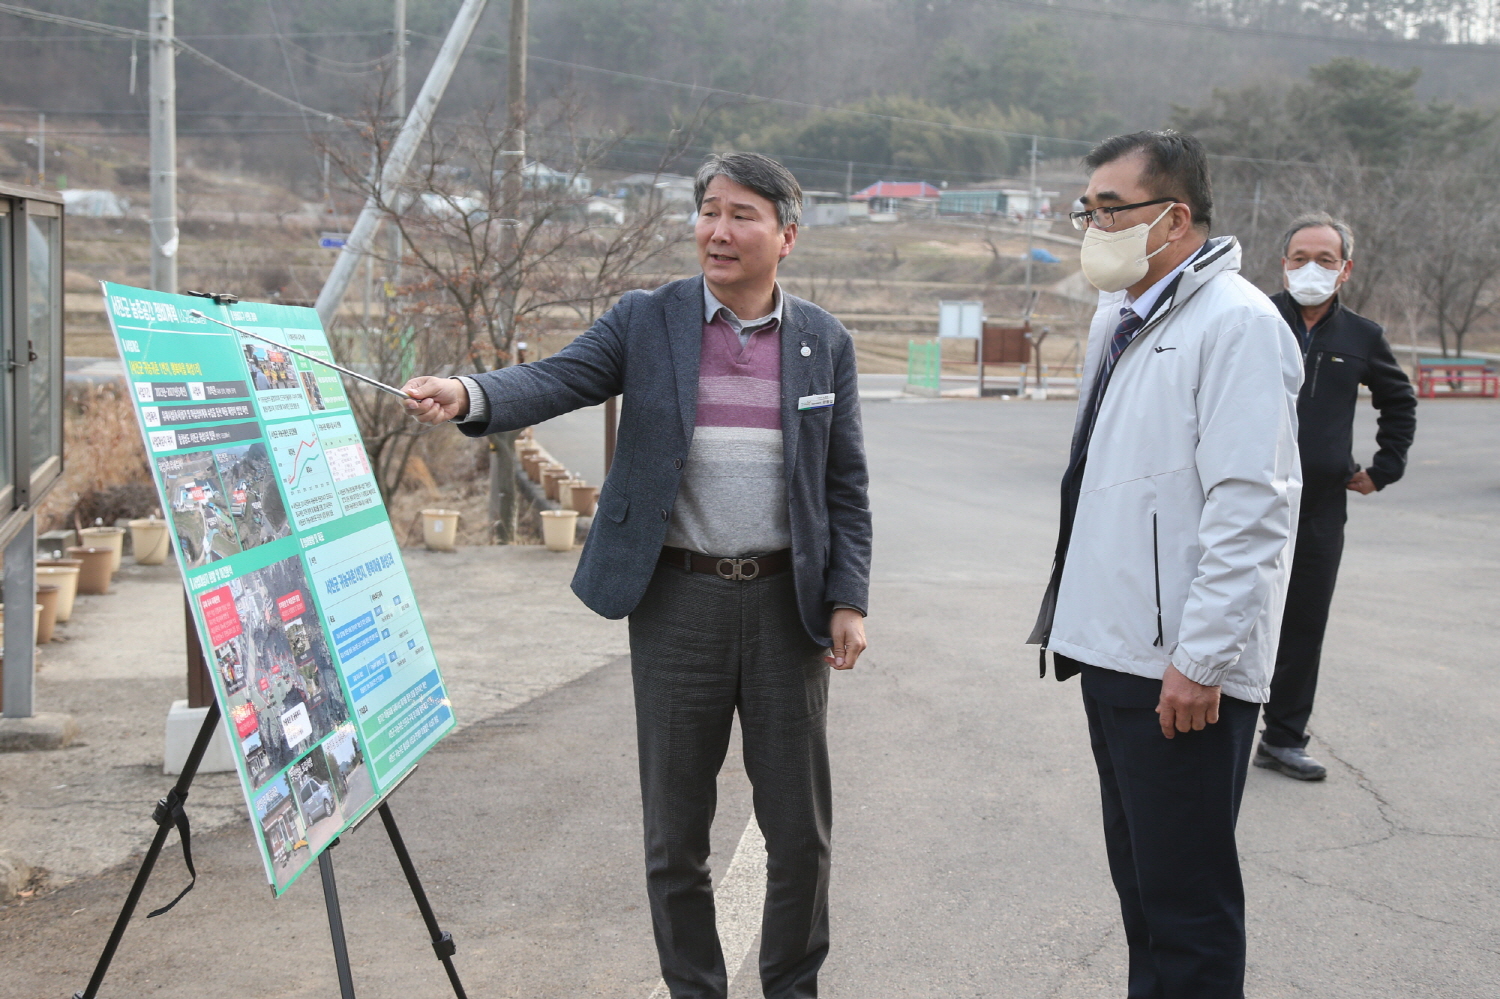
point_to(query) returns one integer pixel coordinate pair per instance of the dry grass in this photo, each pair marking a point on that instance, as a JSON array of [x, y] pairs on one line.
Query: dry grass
[[102, 449]]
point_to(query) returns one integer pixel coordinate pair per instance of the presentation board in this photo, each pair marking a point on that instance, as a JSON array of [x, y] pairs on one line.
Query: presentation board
[[316, 647]]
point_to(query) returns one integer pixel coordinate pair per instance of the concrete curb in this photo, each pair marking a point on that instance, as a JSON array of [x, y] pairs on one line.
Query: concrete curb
[[45, 730]]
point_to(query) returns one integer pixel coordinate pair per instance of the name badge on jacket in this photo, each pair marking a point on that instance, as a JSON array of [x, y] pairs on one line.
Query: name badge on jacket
[[815, 401]]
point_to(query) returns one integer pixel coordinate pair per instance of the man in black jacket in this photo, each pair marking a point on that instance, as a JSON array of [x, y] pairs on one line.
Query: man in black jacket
[[1343, 350]]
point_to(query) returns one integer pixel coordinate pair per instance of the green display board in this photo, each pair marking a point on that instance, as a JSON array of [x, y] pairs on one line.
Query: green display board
[[317, 650]]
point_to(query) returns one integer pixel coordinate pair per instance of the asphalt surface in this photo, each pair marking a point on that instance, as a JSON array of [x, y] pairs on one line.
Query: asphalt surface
[[967, 855]]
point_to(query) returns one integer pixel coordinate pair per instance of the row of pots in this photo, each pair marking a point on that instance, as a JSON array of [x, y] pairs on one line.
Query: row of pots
[[89, 567], [573, 495]]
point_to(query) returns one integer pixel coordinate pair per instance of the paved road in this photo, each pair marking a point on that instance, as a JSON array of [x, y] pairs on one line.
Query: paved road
[[968, 861]]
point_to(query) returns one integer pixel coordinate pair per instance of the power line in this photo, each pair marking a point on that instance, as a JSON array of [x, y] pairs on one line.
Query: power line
[[136, 34]]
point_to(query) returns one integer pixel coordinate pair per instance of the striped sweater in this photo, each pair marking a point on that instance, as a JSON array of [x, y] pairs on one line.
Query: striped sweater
[[732, 499]]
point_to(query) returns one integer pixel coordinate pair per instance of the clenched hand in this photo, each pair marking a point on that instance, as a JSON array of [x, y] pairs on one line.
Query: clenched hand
[[848, 630], [1185, 705], [436, 400]]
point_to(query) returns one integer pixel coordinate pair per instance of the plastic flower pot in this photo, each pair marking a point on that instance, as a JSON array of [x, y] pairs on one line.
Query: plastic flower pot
[[96, 571], [46, 598], [440, 529], [584, 498], [36, 621], [150, 541], [558, 529], [112, 538], [62, 573]]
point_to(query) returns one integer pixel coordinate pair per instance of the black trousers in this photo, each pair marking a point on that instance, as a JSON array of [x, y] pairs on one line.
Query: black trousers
[[1309, 595], [1170, 809], [702, 648]]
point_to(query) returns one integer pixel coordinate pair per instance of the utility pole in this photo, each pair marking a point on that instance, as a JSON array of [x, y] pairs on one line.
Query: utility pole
[[503, 451], [1031, 201], [41, 150], [849, 180], [399, 104], [163, 118], [362, 236]]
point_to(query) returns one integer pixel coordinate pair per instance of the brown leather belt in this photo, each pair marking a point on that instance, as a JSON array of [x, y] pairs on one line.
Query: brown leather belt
[[754, 567]]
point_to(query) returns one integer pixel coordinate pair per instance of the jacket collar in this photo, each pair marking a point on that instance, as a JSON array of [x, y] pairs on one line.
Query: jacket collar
[[1220, 255], [685, 338]]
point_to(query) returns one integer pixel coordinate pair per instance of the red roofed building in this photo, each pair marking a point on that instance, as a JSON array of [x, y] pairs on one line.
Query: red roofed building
[[885, 195]]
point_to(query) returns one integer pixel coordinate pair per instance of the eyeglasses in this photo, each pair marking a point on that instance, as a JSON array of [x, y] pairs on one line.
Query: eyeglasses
[[1104, 218]]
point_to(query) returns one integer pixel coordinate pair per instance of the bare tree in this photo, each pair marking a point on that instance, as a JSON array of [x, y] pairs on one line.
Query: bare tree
[[1456, 270], [481, 268]]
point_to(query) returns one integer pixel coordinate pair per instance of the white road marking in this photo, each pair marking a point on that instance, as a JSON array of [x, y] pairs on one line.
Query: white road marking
[[738, 899]]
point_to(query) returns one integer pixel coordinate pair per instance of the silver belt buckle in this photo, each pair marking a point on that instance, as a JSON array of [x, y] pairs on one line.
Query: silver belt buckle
[[736, 568]]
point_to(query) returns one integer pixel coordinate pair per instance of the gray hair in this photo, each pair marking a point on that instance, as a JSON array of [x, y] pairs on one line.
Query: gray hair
[[759, 173], [1315, 220]]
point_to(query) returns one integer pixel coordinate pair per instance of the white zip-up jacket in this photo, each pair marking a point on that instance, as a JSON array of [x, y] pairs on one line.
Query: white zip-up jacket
[[1182, 542]]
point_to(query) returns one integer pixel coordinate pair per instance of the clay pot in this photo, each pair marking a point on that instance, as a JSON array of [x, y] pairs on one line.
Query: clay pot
[[584, 499], [440, 529], [46, 598], [565, 492], [150, 541], [551, 477], [112, 538], [95, 573], [62, 573], [558, 529]]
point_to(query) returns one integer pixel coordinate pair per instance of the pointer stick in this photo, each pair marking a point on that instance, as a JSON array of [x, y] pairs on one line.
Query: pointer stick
[[300, 353]]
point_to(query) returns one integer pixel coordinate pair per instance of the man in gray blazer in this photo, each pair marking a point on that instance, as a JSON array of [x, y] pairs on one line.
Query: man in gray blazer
[[734, 531]]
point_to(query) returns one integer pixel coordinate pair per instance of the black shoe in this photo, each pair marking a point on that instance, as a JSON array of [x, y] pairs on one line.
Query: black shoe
[[1292, 762]]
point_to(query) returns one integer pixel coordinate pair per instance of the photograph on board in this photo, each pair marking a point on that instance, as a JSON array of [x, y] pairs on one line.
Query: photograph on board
[[255, 503], [200, 507], [290, 682], [345, 761], [283, 829]]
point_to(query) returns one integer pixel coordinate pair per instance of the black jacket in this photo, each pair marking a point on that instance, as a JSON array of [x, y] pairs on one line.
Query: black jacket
[[1343, 351]]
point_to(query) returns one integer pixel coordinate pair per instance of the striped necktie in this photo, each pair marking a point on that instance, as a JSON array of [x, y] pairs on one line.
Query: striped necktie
[[1130, 325]]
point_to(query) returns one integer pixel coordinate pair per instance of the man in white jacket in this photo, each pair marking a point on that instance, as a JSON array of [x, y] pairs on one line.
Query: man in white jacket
[[1178, 513]]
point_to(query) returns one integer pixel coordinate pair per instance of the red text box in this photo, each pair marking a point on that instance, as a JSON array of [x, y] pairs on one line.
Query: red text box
[[291, 605], [220, 615]]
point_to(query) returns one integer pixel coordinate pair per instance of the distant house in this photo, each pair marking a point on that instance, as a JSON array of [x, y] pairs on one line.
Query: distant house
[[972, 203], [604, 210], [665, 188], [824, 208], [536, 176], [1019, 204], [95, 204], [889, 196]]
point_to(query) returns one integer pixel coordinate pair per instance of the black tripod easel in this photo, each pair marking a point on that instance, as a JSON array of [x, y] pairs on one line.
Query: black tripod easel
[[169, 814]]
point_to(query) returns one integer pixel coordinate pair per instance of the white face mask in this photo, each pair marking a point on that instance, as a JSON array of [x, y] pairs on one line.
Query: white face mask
[[1113, 261], [1312, 284]]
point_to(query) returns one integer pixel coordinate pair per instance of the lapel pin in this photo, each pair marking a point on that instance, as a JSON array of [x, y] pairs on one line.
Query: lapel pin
[[806, 350]]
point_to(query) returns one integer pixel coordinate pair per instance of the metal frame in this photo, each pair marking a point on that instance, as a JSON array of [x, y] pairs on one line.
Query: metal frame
[[28, 487]]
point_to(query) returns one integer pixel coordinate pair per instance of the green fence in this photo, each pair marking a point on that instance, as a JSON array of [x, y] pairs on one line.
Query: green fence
[[924, 368]]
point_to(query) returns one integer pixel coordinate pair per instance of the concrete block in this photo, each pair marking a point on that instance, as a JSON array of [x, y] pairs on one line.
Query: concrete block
[[14, 874], [183, 724], [41, 731]]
